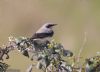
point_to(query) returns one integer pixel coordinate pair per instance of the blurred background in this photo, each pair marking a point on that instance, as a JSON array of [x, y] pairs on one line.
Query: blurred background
[[74, 18]]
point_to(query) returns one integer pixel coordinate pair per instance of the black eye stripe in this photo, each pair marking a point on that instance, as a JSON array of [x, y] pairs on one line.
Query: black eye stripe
[[48, 26]]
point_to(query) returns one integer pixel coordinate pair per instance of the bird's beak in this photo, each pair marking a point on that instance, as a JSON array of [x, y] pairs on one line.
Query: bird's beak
[[55, 24]]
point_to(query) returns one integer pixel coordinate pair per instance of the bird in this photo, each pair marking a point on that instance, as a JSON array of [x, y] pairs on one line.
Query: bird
[[45, 31]]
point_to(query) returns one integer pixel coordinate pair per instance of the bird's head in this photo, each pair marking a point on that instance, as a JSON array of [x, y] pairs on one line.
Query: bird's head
[[50, 25]]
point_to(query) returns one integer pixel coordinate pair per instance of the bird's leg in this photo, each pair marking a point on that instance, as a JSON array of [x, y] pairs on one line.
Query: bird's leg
[[1, 55], [1, 58], [7, 56]]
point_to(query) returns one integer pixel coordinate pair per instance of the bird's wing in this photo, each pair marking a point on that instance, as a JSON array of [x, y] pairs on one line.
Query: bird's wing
[[42, 35]]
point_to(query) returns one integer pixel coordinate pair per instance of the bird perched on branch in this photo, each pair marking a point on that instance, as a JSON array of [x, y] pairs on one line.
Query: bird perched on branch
[[44, 32]]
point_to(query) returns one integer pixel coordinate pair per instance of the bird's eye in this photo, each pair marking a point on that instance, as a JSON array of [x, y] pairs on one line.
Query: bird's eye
[[48, 26]]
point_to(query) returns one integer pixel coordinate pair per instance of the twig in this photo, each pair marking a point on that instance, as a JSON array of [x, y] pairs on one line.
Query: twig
[[83, 46]]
